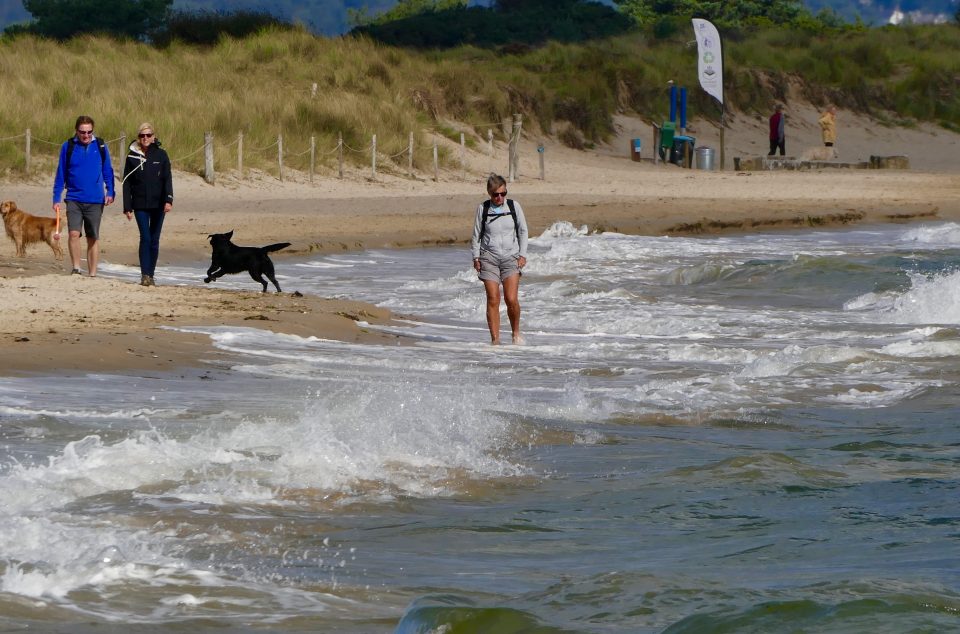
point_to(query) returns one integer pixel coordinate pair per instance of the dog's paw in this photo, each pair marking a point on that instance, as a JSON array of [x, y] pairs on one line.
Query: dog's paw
[[207, 280]]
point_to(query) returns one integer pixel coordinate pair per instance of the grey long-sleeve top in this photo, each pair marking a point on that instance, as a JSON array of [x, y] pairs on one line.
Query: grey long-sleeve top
[[500, 237]]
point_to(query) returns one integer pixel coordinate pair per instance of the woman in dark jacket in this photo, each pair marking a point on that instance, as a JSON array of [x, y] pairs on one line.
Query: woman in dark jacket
[[148, 195]]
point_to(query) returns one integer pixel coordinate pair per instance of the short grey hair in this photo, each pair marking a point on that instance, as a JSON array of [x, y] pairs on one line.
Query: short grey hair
[[495, 181]]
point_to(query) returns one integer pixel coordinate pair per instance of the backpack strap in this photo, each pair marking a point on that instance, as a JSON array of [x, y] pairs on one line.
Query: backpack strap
[[513, 214], [516, 225], [100, 145], [483, 220]]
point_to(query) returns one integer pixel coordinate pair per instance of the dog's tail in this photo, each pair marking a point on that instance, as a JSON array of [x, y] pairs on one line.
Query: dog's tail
[[274, 247]]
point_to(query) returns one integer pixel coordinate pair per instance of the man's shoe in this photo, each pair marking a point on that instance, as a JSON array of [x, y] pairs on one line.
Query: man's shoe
[[75, 272], [144, 280]]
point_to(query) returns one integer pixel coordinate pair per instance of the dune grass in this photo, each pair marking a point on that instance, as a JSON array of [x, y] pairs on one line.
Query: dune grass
[[262, 86]]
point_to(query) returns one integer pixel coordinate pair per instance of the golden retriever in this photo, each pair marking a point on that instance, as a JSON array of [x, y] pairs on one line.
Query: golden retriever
[[24, 229]]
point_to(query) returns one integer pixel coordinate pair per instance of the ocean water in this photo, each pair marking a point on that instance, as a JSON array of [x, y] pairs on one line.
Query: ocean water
[[728, 434]]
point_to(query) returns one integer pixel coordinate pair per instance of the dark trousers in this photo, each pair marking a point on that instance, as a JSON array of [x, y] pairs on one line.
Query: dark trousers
[[150, 223], [774, 144]]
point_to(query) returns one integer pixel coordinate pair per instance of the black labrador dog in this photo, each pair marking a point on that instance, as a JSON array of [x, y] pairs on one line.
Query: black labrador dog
[[229, 258]]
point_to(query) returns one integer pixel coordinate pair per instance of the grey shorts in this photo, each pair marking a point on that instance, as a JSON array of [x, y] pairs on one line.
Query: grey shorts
[[496, 268], [87, 215]]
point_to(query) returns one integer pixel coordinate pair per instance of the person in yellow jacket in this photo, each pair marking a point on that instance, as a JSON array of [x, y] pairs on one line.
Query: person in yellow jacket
[[828, 126]]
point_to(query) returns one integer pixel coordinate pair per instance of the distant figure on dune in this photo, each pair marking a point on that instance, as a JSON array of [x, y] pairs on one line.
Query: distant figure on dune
[[777, 131], [828, 127]]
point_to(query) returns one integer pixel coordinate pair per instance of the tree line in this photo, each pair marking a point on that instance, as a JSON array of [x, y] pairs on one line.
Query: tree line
[[152, 21], [426, 23]]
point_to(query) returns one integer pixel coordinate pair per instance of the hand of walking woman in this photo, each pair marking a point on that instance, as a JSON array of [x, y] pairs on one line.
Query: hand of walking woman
[[129, 215]]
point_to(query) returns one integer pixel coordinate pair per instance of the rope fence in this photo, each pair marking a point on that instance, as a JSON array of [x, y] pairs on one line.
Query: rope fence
[[420, 159]]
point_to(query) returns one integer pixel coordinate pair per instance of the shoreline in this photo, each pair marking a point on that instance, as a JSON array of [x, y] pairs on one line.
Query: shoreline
[[64, 323], [57, 322]]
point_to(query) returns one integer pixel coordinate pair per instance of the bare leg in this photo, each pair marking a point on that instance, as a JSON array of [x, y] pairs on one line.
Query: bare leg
[[511, 287], [73, 243], [93, 255], [493, 309]]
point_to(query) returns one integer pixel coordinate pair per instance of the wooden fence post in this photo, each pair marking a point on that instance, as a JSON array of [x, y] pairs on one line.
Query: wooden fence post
[[313, 156], [410, 155], [240, 155], [656, 144], [373, 157], [514, 160], [122, 152], [463, 158], [208, 173], [340, 152], [280, 155], [490, 141], [26, 162], [436, 163], [540, 151]]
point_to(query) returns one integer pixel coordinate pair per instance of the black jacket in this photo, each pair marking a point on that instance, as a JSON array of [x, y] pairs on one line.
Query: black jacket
[[147, 179]]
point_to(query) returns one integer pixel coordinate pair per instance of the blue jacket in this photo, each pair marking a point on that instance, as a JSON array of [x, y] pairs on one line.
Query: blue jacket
[[87, 174]]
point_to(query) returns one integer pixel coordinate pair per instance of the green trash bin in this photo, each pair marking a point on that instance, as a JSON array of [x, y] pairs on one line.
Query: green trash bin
[[667, 131]]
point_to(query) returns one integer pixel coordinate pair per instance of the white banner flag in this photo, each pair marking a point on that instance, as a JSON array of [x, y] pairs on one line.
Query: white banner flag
[[710, 60]]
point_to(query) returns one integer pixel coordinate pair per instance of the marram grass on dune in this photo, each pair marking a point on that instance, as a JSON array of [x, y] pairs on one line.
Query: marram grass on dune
[[263, 87]]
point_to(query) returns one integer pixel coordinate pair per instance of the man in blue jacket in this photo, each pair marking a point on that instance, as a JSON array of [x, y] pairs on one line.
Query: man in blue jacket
[[85, 171]]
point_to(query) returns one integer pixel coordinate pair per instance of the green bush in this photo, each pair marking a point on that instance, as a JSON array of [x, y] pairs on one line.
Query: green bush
[[207, 27]]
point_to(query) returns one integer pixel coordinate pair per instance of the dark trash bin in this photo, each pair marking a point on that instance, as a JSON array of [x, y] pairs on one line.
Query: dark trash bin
[[682, 151]]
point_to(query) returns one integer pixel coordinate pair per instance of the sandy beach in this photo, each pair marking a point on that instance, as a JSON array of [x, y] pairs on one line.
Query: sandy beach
[[54, 322]]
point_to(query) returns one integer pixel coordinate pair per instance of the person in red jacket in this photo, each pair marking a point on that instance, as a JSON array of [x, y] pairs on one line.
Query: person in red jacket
[[777, 137]]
